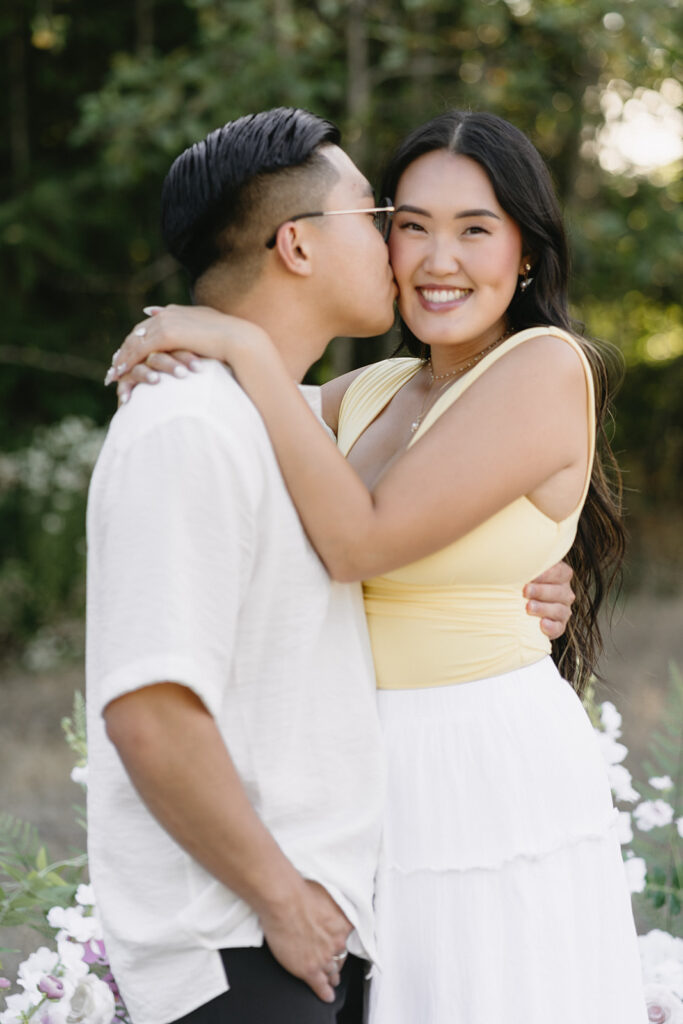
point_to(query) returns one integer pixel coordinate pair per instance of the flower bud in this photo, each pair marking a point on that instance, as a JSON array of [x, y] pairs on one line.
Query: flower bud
[[51, 987]]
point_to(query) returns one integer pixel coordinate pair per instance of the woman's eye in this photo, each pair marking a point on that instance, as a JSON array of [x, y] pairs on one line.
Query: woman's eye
[[475, 229], [410, 225]]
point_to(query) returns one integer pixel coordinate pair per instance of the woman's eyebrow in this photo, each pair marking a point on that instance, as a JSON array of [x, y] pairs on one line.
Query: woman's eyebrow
[[412, 209], [406, 208], [477, 213]]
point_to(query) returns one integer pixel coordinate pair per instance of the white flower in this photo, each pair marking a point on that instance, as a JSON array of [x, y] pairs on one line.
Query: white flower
[[611, 719], [612, 752], [79, 773], [71, 955], [636, 870], [35, 967], [73, 923], [16, 1006], [92, 1002], [52, 1013], [661, 956], [624, 830], [621, 783], [663, 1006], [679, 826], [662, 782], [653, 814], [85, 895]]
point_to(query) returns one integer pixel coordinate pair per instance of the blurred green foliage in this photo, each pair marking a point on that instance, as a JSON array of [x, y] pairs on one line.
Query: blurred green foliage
[[100, 99]]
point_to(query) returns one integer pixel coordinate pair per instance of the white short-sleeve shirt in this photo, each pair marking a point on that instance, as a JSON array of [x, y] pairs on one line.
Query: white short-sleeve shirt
[[199, 573]]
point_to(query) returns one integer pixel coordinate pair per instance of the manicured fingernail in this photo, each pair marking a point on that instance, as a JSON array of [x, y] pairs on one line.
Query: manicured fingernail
[[180, 371], [151, 310], [123, 397], [121, 368], [110, 375], [530, 590], [533, 606], [195, 365], [115, 356], [152, 377]]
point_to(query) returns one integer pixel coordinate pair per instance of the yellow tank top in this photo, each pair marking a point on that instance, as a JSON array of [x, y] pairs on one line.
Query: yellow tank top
[[459, 614]]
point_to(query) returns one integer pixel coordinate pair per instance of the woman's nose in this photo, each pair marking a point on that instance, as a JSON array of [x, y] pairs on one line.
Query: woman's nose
[[442, 257]]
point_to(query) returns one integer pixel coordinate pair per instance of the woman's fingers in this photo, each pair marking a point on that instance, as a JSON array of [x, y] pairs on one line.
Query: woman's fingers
[[172, 328], [141, 374], [176, 364], [147, 336], [188, 359], [167, 362]]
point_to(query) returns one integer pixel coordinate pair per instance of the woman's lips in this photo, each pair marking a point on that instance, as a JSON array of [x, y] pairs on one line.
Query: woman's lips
[[442, 299]]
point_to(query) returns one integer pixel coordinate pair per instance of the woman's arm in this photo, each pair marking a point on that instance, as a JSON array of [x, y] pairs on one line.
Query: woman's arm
[[483, 453], [189, 323], [523, 422]]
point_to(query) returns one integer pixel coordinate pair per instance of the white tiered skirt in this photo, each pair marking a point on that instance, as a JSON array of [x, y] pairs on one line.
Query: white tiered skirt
[[501, 896]]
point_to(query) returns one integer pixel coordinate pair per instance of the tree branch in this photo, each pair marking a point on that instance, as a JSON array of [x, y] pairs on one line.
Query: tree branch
[[52, 362], [163, 267]]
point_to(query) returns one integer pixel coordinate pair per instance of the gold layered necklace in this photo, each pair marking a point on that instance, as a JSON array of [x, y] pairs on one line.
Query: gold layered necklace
[[462, 368]]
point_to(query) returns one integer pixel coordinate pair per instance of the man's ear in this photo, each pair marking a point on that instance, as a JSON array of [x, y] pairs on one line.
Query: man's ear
[[293, 246]]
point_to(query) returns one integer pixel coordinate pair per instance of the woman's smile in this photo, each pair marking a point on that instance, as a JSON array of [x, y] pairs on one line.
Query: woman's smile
[[456, 254], [440, 299]]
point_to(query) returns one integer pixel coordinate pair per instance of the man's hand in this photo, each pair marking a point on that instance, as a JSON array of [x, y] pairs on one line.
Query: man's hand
[[177, 760], [308, 938], [550, 598]]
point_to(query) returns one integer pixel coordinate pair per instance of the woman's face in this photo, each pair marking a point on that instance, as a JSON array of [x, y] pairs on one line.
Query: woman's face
[[455, 253]]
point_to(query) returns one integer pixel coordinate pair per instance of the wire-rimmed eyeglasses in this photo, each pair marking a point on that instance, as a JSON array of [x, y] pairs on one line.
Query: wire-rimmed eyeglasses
[[382, 218]]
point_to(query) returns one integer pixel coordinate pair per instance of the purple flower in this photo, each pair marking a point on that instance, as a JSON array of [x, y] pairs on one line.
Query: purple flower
[[52, 987], [5, 983], [94, 952], [111, 981]]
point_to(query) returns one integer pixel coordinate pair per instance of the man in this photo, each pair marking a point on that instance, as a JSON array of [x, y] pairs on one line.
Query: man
[[235, 769]]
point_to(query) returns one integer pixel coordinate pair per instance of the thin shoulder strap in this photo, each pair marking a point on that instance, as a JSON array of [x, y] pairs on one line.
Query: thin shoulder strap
[[460, 386], [368, 394]]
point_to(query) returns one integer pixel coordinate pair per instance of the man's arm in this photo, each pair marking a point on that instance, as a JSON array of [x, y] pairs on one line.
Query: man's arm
[[177, 761], [171, 536]]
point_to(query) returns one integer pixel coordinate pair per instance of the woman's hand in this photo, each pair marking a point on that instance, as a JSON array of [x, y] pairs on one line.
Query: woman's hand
[[186, 331], [175, 364]]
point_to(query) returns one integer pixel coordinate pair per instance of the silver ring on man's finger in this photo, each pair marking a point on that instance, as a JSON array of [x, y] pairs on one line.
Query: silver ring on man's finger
[[140, 332], [340, 957]]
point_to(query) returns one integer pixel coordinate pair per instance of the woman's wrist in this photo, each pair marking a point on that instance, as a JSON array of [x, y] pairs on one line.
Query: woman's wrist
[[253, 358]]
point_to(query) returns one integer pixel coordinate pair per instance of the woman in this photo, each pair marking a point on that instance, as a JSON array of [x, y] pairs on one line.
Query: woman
[[501, 895]]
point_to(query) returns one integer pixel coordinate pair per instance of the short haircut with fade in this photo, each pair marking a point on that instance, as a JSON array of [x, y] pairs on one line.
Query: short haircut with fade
[[224, 196]]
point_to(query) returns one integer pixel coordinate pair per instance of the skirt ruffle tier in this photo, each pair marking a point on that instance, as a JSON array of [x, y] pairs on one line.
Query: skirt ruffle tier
[[501, 895]]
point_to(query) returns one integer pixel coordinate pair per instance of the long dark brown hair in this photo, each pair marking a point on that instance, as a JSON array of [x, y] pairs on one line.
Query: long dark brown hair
[[524, 189]]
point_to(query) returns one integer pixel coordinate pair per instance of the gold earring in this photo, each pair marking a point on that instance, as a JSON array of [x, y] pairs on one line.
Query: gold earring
[[526, 280]]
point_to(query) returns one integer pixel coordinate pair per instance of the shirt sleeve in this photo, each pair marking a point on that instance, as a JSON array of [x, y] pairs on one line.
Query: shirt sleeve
[[170, 545]]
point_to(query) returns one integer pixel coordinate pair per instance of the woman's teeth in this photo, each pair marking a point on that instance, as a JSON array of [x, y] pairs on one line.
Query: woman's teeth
[[444, 295]]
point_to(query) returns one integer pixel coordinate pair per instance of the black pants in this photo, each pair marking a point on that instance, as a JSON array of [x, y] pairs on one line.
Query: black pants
[[263, 992]]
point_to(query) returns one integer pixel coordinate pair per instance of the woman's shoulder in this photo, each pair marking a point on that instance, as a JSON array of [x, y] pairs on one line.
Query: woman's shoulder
[[557, 348]]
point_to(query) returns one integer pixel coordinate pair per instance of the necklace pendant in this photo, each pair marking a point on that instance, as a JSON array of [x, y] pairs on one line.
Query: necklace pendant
[[414, 425]]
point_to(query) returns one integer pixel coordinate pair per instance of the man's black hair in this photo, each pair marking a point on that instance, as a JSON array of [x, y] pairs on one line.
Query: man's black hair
[[203, 191]]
